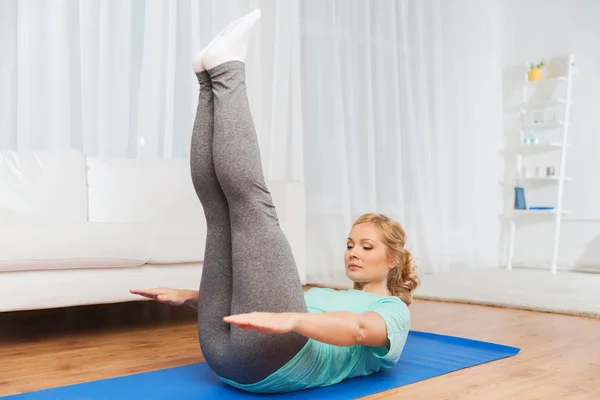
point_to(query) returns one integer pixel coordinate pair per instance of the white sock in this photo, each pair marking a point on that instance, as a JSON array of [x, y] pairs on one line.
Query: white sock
[[232, 43], [197, 62]]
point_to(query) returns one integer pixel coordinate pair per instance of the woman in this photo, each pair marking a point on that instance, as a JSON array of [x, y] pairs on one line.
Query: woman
[[258, 330]]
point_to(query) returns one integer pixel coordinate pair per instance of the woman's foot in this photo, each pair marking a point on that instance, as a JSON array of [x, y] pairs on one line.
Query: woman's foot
[[229, 45], [197, 62]]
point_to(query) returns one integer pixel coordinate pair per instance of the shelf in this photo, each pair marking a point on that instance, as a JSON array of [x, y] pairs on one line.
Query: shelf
[[547, 103], [552, 79], [541, 212], [541, 147], [537, 127], [544, 121], [543, 178]]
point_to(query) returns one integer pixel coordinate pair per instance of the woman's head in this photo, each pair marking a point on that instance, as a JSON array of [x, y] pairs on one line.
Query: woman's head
[[375, 253]]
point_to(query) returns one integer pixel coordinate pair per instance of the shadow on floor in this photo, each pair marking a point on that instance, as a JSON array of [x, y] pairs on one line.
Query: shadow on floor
[[20, 326]]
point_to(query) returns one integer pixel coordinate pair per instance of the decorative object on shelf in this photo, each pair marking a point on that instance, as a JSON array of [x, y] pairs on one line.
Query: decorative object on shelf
[[539, 117], [530, 139], [545, 208], [528, 171], [535, 71], [520, 203], [540, 172]]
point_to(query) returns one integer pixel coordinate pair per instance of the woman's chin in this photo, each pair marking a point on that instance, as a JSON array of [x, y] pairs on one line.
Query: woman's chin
[[354, 276]]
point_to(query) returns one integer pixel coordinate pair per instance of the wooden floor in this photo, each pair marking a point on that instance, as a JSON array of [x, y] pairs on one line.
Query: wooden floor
[[560, 356]]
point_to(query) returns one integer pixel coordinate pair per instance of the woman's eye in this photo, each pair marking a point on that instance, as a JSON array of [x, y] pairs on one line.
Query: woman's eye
[[368, 248], [348, 247]]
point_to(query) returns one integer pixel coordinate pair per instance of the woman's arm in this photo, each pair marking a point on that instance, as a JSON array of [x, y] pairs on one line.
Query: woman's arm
[[337, 328], [343, 328]]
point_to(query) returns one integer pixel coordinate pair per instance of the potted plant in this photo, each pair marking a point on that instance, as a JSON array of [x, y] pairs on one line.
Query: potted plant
[[535, 70]]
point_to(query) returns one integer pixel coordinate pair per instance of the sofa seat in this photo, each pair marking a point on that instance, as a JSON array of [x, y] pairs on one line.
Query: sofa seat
[[34, 246]]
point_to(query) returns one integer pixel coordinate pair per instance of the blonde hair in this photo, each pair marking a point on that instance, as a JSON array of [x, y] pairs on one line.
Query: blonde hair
[[402, 279]]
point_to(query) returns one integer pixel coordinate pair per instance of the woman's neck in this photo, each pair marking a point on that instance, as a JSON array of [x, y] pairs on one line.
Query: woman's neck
[[373, 287]]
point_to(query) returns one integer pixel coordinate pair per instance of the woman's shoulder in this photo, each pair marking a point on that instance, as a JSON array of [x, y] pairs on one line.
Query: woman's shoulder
[[391, 302]]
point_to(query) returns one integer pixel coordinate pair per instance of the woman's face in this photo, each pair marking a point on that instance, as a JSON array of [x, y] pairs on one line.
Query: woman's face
[[366, 256]]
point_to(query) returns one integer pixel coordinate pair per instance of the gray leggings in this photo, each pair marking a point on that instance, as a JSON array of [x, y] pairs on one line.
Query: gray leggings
[[248, 263]]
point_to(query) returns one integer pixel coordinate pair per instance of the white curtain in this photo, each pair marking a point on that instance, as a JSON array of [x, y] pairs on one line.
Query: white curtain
[[114, 77], [402, 115], [377, 106]]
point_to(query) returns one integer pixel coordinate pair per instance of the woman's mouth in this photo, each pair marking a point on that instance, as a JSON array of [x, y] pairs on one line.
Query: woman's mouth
[[353, 267]]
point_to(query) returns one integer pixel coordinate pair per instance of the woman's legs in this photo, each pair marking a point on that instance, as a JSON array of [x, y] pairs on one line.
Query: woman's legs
[[265, 277], [248, 265], [216, 284]]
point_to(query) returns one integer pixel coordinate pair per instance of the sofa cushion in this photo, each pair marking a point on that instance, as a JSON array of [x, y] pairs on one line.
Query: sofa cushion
[[42, 186], [98, 245], [145, 191]]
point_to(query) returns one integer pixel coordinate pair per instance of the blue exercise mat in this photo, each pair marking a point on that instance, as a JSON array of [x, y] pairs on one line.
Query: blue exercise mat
[[426, 355]]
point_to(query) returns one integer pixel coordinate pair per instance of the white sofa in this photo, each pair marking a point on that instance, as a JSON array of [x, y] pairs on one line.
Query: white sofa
[[78, 230]]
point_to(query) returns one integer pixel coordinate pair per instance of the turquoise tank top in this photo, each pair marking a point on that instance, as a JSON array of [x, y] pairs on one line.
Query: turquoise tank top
[[319, 364]]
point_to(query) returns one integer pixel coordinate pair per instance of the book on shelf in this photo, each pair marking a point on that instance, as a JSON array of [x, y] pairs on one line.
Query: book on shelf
[[520, 203]]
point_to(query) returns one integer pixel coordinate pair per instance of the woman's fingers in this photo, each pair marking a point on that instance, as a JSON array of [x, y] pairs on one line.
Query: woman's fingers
[[152, 292], [242, 321], [164, 295], [143, 294]]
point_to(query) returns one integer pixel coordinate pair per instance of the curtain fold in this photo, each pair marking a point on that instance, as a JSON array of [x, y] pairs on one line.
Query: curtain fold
[[377, 106]]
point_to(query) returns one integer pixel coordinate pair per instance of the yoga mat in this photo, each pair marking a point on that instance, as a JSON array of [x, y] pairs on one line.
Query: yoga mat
[[426, 355]]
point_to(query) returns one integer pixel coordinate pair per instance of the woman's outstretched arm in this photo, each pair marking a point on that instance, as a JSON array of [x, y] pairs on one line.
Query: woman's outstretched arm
[[338, 328]]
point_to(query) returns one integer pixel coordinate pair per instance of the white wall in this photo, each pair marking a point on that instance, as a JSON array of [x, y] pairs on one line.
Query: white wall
[[536, 29]]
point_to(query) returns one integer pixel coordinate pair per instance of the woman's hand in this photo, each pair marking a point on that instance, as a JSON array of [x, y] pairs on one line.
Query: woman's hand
[[265, 322], [173, 297]]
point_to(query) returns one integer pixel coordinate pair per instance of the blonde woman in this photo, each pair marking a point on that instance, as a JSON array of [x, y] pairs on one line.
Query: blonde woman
[[258, 330]]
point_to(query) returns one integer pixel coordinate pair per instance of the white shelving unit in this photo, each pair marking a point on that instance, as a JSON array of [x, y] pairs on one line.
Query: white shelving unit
[[534, 119]]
